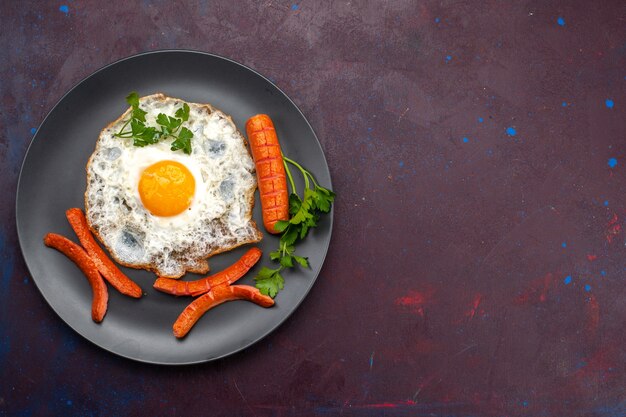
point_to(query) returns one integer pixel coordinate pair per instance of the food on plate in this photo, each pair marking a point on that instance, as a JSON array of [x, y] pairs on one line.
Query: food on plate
[[166, 192], [93, 262], [224, 277], [270, 170], [85, 263], [170, 184], [218, 295], [215, 289], [105, 266], [302, 213]]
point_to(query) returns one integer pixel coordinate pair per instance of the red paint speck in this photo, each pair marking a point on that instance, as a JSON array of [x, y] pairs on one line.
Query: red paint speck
[[613, 228], [592, 258], [390, 405], [382, 405], [598, 367], [537, 290], [474, 306], [416, 300]]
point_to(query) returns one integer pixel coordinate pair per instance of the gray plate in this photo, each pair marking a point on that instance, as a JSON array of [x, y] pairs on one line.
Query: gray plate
[[52, 180]]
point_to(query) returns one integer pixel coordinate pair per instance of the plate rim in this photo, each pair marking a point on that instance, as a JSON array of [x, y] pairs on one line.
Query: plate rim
[[58, 103]]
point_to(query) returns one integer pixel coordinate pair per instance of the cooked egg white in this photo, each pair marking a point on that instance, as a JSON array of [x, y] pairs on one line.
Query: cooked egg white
[[207, 196]]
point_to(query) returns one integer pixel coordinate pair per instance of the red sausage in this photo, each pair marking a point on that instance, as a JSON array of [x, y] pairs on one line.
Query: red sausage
[[105, 265], [270, 170], [215, 297], [201, 286], [84, 262]]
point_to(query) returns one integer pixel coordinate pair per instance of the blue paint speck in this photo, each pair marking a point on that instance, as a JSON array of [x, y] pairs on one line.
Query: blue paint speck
[[564, 244], [560, 21], [568, 279], [525, 403], [448, 58], [294, 7], [64, 9], [606, 202], [612, 162], [437, 20], [401, 164], [511, 131], [609, 103], [603, 273], [480, 120], [465, 140], [490, 152], [33, 130], [587, 287], [25, 280], [564, 104], [69, 402]]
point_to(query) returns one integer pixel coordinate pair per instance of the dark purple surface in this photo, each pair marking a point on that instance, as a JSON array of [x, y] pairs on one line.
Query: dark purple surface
[[466, 277]]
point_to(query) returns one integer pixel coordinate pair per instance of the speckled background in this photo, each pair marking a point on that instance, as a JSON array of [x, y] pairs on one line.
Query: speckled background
[[478, 263]]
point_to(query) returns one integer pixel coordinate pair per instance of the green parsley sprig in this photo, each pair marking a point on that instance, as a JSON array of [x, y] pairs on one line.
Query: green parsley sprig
[[304, 215], [170, 127]]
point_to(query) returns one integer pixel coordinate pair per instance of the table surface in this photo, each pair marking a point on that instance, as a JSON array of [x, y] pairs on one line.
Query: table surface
[[477, 267]]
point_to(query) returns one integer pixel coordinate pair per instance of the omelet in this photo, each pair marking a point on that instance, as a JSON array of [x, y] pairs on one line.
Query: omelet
[[168, 211]]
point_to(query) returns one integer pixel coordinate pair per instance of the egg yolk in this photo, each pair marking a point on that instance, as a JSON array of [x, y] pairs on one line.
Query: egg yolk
[[166, 188]]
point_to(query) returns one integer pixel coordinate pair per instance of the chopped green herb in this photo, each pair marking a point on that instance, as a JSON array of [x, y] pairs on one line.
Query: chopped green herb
[[305, 214], [170, 127], [269, 281], [183, 141]]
